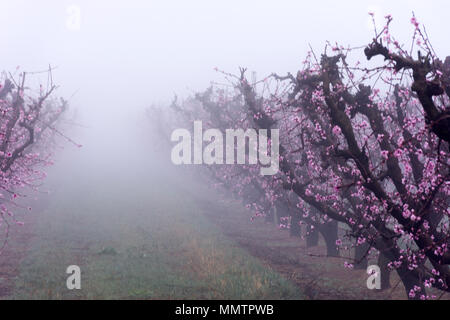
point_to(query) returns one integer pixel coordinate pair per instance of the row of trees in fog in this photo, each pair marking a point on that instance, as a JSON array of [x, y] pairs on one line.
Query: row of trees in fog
[[364, 153], [28, 124]]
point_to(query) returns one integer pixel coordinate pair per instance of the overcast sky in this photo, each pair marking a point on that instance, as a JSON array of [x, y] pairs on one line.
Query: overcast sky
[[129, 54]]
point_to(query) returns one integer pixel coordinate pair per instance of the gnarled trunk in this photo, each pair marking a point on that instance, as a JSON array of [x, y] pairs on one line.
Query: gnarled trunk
[[312, 237], [329, 232], [361, 252], [385, 272], [295, 230]]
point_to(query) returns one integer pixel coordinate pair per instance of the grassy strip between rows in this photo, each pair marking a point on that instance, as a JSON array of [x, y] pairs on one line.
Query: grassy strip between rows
[[139, 243]]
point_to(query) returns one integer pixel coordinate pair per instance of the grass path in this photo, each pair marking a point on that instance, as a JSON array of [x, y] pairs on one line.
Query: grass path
[[145, 240]]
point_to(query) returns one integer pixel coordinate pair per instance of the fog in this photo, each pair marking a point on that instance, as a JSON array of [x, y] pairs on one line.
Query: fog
[[125, 56], [128, 54]]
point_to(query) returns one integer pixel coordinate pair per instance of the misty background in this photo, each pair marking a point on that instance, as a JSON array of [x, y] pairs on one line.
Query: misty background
[[127, 55]]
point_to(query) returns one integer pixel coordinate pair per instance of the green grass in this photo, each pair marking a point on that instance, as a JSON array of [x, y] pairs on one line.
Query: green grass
[[150, 241]]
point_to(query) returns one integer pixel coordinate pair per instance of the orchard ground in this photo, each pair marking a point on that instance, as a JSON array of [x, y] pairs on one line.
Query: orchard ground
[[139, 231]]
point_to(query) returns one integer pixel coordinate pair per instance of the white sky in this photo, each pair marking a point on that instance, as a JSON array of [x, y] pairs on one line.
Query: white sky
[[129, 54]]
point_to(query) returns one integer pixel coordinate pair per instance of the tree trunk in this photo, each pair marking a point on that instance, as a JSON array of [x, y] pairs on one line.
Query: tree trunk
[[329, 232], [385, 272], [312, 237], [361, 262], [270, 215], [295, 230], [409, 279], [282, 213]]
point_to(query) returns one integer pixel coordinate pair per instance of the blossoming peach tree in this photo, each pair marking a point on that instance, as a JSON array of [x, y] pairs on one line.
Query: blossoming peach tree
[[28, 123], [364, 152]]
